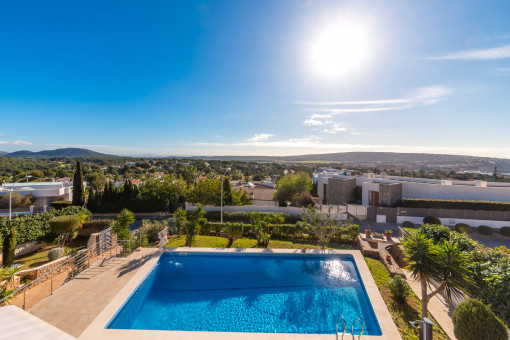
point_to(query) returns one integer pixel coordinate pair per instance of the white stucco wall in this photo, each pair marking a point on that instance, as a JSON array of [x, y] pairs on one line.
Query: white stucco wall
[[454, 221]]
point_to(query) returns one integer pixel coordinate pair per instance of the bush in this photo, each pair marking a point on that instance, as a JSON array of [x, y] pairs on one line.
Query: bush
[[61, 204], [472, 320], [65, 226], [399, 288], [303, 199], [408, 224], [463, 228], [151, 229], [55, 253], [505, 231], [485, 230], [9, 246], [431, 220], [244, 217], [94, 226]]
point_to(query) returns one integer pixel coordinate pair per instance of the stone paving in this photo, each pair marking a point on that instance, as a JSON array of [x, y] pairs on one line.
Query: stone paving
[[76, 304]]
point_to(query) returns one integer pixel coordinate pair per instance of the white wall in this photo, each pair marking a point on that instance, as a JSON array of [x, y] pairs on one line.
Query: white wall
[[368, 186]]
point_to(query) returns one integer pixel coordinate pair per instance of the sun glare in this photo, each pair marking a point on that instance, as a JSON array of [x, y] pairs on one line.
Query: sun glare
[[339, 49]]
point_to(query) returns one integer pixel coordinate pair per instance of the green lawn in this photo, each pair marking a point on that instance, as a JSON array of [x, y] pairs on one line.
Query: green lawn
[[401, 313], [202, 241], [40, 257]]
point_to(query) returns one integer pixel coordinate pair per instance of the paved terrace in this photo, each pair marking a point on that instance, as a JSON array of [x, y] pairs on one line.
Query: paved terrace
[[75, 305]]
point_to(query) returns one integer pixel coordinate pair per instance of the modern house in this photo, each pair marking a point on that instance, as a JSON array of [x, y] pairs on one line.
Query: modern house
[[339, 186], [44, 192]]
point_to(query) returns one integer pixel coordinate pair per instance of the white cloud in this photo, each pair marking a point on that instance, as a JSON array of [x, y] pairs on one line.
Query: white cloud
[[502, 52], [16, 142], [317, 120], [335, 128], [420, 97], [3, 134], [259, 137]]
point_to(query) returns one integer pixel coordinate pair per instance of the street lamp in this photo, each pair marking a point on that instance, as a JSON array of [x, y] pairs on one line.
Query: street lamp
[[10, 193], [221, 205]]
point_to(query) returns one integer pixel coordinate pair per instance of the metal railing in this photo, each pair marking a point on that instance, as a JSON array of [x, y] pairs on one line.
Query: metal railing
[[34, 291], [402, 233]]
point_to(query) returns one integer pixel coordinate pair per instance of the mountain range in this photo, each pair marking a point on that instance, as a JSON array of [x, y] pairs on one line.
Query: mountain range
[[67, 152]]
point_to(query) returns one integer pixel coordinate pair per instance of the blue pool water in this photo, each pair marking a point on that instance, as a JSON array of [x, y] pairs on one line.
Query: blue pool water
[[249, 293]]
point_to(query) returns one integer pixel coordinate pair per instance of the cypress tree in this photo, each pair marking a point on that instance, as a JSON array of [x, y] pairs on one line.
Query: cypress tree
[[78, 191], [9, 245], [227, 192]]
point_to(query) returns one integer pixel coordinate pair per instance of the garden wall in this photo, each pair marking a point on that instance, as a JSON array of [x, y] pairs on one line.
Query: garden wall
[[25, 248]]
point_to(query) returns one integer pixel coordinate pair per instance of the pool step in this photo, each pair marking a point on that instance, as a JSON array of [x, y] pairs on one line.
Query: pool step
[[341, 318]]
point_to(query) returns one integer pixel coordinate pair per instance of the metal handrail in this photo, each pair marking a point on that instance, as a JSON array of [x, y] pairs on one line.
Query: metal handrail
[[77, 261], [403, 233], [362, 328], [345, 327]]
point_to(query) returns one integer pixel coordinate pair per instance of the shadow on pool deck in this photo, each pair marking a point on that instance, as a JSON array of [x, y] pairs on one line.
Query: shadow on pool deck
[[76, 304]]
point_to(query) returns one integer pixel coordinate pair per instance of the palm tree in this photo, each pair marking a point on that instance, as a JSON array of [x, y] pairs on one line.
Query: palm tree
[[444, 263], [233, 232]]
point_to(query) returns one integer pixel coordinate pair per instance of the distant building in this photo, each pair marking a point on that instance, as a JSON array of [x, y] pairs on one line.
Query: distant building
[[335, 187], [44, 192]]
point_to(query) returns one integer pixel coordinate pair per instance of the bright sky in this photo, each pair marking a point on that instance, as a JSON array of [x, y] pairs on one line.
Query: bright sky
[[260, 77]]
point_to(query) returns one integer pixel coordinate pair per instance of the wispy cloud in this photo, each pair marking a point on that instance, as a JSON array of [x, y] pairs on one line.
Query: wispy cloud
[[3, 134], [420, 97], [335, 129], [480, 54], [259, 137], [15, 142], [318, 120]]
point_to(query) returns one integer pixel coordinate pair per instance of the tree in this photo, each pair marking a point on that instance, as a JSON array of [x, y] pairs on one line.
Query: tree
[[233, 232], [227, 192], [444, 263], [322, 225], [9, 246], [290, 185], [121, 226], [96, 180], [65, 226], [264, 226], [191, 224], [78, 191]]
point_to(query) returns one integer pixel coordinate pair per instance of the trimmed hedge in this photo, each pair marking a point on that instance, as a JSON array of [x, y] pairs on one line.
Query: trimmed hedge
[[455, 204], [61, 204], [408, 224], [485, 230], [36, 227], [431, 220], [505, 231], [64, 224], [472, 320], [463, 228], [284, 231], [94, 226], [245, 217]]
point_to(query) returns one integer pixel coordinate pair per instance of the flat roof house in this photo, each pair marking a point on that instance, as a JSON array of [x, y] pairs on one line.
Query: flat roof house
[[44, 192]]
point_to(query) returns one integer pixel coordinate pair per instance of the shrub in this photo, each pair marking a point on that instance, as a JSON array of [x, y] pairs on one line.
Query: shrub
[[431, 220], [9, 246], [94, 226], [55, 253], [303, 199], [472, 320], [121, 226], [65, 226], [485, 230], [505, 231], [61, 204], [399, 288], [151, 229], [463, 228], [408, 224]]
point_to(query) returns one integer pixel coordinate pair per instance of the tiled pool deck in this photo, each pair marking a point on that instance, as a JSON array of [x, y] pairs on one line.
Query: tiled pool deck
[[96, 328]]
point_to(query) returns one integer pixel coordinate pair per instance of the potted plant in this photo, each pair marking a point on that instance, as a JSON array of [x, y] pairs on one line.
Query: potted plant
[[368, 232], [388, 233]]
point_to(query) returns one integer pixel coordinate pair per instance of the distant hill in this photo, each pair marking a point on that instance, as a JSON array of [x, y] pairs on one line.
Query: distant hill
[[67, 152], [3, 153]]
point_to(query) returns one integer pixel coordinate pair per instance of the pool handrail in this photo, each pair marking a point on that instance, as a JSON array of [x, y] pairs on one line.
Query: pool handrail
[[345, 327]]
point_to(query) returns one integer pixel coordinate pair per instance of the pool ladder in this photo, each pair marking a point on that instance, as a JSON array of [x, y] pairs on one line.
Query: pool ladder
[[352, 328]]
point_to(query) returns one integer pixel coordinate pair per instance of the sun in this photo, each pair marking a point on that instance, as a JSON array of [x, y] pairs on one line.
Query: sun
[[339, 49]]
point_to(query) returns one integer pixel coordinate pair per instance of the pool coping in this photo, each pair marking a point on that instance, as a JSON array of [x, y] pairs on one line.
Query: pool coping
[[96, 330]]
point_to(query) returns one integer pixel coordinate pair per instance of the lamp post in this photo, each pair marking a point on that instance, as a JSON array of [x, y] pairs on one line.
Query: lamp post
[[10, 194], [221, 204]]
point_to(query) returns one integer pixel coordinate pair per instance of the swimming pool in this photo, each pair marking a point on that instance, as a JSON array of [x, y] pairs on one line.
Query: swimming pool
[[256, 293]]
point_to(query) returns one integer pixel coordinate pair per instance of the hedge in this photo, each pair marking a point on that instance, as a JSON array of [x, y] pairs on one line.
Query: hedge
[[431, 220], [472, 320], [36, 227], [505, 231], [408, 224], [485, 230], [463, 228], [245, 217], [61, 204], [455, 204], [286, 231], [94, 226]]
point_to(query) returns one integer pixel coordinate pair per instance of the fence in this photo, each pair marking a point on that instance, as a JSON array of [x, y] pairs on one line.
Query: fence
[[34, 291]]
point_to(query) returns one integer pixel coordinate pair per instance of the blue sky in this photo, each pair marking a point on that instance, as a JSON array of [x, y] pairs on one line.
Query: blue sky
[[255, 77]]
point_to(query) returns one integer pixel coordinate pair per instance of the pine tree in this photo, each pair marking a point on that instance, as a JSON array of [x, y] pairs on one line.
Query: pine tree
[[78, 191]]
